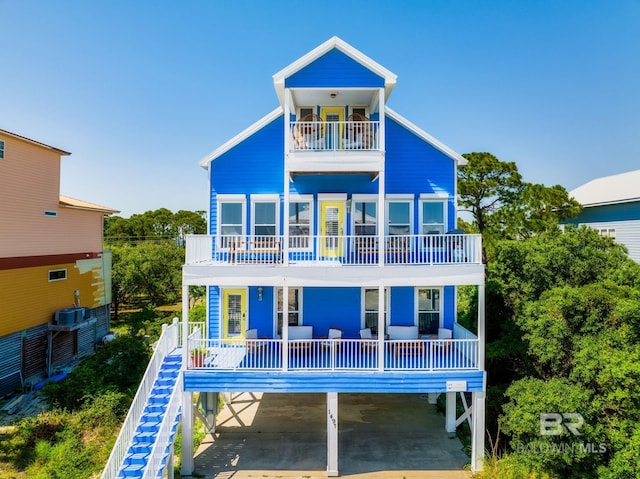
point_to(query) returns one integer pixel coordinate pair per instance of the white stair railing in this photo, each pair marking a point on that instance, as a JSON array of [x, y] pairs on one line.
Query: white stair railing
[[168, 342]]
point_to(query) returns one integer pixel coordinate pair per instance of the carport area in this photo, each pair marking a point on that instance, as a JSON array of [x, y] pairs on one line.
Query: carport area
[[285, 436]]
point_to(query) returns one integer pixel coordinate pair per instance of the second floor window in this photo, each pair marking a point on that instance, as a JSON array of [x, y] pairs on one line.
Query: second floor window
[[433, 217], [1, 149], [364, 218], [299, 224], [231, 216], [264, 219], [399, 217]]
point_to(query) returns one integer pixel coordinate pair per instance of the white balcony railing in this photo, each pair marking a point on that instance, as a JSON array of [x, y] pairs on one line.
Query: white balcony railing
[[335, 135], [333, 354], [428, 249]]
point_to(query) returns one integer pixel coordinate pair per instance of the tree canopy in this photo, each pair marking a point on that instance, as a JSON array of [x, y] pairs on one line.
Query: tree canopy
[[504, 206]]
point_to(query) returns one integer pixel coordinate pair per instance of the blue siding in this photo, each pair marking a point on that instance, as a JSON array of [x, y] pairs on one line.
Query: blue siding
[[414, 166], [601, 214], [449, 310], [319, 381], [261, 312], [256, 165], [402, 306], [214, 312], [334, 69], [324, 308], [213, 208]]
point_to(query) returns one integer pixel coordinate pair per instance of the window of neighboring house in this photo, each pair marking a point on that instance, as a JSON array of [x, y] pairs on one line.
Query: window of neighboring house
[[364, 217], [609, 232], [1, 149], [264, 217], [433, 216], [231, 214], [428, 310], [399, 217], [300, 214], [57, 274], [370, 303], [294, 309]]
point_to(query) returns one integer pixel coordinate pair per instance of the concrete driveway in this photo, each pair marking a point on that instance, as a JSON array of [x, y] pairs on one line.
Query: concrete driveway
[[284, 436]]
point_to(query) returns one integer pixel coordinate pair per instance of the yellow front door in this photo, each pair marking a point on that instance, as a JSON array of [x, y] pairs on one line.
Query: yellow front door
[[334, 119], [332, 228], [234, 313]]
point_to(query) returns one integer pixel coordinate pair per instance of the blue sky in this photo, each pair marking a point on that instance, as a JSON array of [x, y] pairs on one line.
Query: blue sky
[[139, 91]]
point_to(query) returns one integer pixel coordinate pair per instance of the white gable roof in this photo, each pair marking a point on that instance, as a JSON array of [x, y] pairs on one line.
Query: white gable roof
[[334, 42], [621, 188]]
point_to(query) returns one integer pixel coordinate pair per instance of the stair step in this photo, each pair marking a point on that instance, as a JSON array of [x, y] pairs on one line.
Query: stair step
[[159, 399], [136, 458], [148, 427], [144, 437], [132, 470], [142, 448]]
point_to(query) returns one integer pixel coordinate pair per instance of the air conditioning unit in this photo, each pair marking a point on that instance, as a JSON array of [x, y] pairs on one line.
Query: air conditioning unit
[[65, 316]]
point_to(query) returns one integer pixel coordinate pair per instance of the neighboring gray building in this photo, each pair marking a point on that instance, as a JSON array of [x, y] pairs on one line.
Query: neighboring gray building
[[612, 206]]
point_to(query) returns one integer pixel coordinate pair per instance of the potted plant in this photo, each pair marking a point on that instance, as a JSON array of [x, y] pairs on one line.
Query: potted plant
[[197, 356]]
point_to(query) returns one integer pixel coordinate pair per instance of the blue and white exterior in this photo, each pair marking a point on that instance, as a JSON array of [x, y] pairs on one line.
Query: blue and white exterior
[[612, 206], [341, 205]]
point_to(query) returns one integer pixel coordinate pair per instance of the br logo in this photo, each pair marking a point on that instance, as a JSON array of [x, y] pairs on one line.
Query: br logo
[[554, 424]]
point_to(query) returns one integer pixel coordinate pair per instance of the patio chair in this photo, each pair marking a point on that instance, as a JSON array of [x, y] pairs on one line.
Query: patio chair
[[443, 341], [334, 333], [309, 134], [254, 344], [367, 343], [357, 135]]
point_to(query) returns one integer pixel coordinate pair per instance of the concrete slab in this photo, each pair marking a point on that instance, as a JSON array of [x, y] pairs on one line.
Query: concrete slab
[[381, 436]]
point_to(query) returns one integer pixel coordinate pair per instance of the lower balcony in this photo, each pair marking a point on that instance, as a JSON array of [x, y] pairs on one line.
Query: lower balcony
[[334, 355]]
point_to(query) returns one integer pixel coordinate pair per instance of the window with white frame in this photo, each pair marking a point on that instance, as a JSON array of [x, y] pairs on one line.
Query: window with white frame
[[428, 310], [433, 216], [608, 232], [231, 216], [370, 304], [300, 214], [1, 150], [399, 215], [364, 215], [264, 215], [294, 308]]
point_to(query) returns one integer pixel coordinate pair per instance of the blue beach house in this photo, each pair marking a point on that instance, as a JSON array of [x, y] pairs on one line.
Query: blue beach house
[[332, 261]]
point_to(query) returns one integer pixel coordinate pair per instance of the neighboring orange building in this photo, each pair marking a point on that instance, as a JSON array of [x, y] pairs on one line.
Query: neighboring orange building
[[51, 259]]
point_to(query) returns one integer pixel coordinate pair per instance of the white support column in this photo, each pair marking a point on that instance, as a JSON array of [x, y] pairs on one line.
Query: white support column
[[450, 423], [285, 327], [187, 434], [481, 327], [381, 324], [332, 434], [381, 108], [477, 432], [285, 228], [185, 322]]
